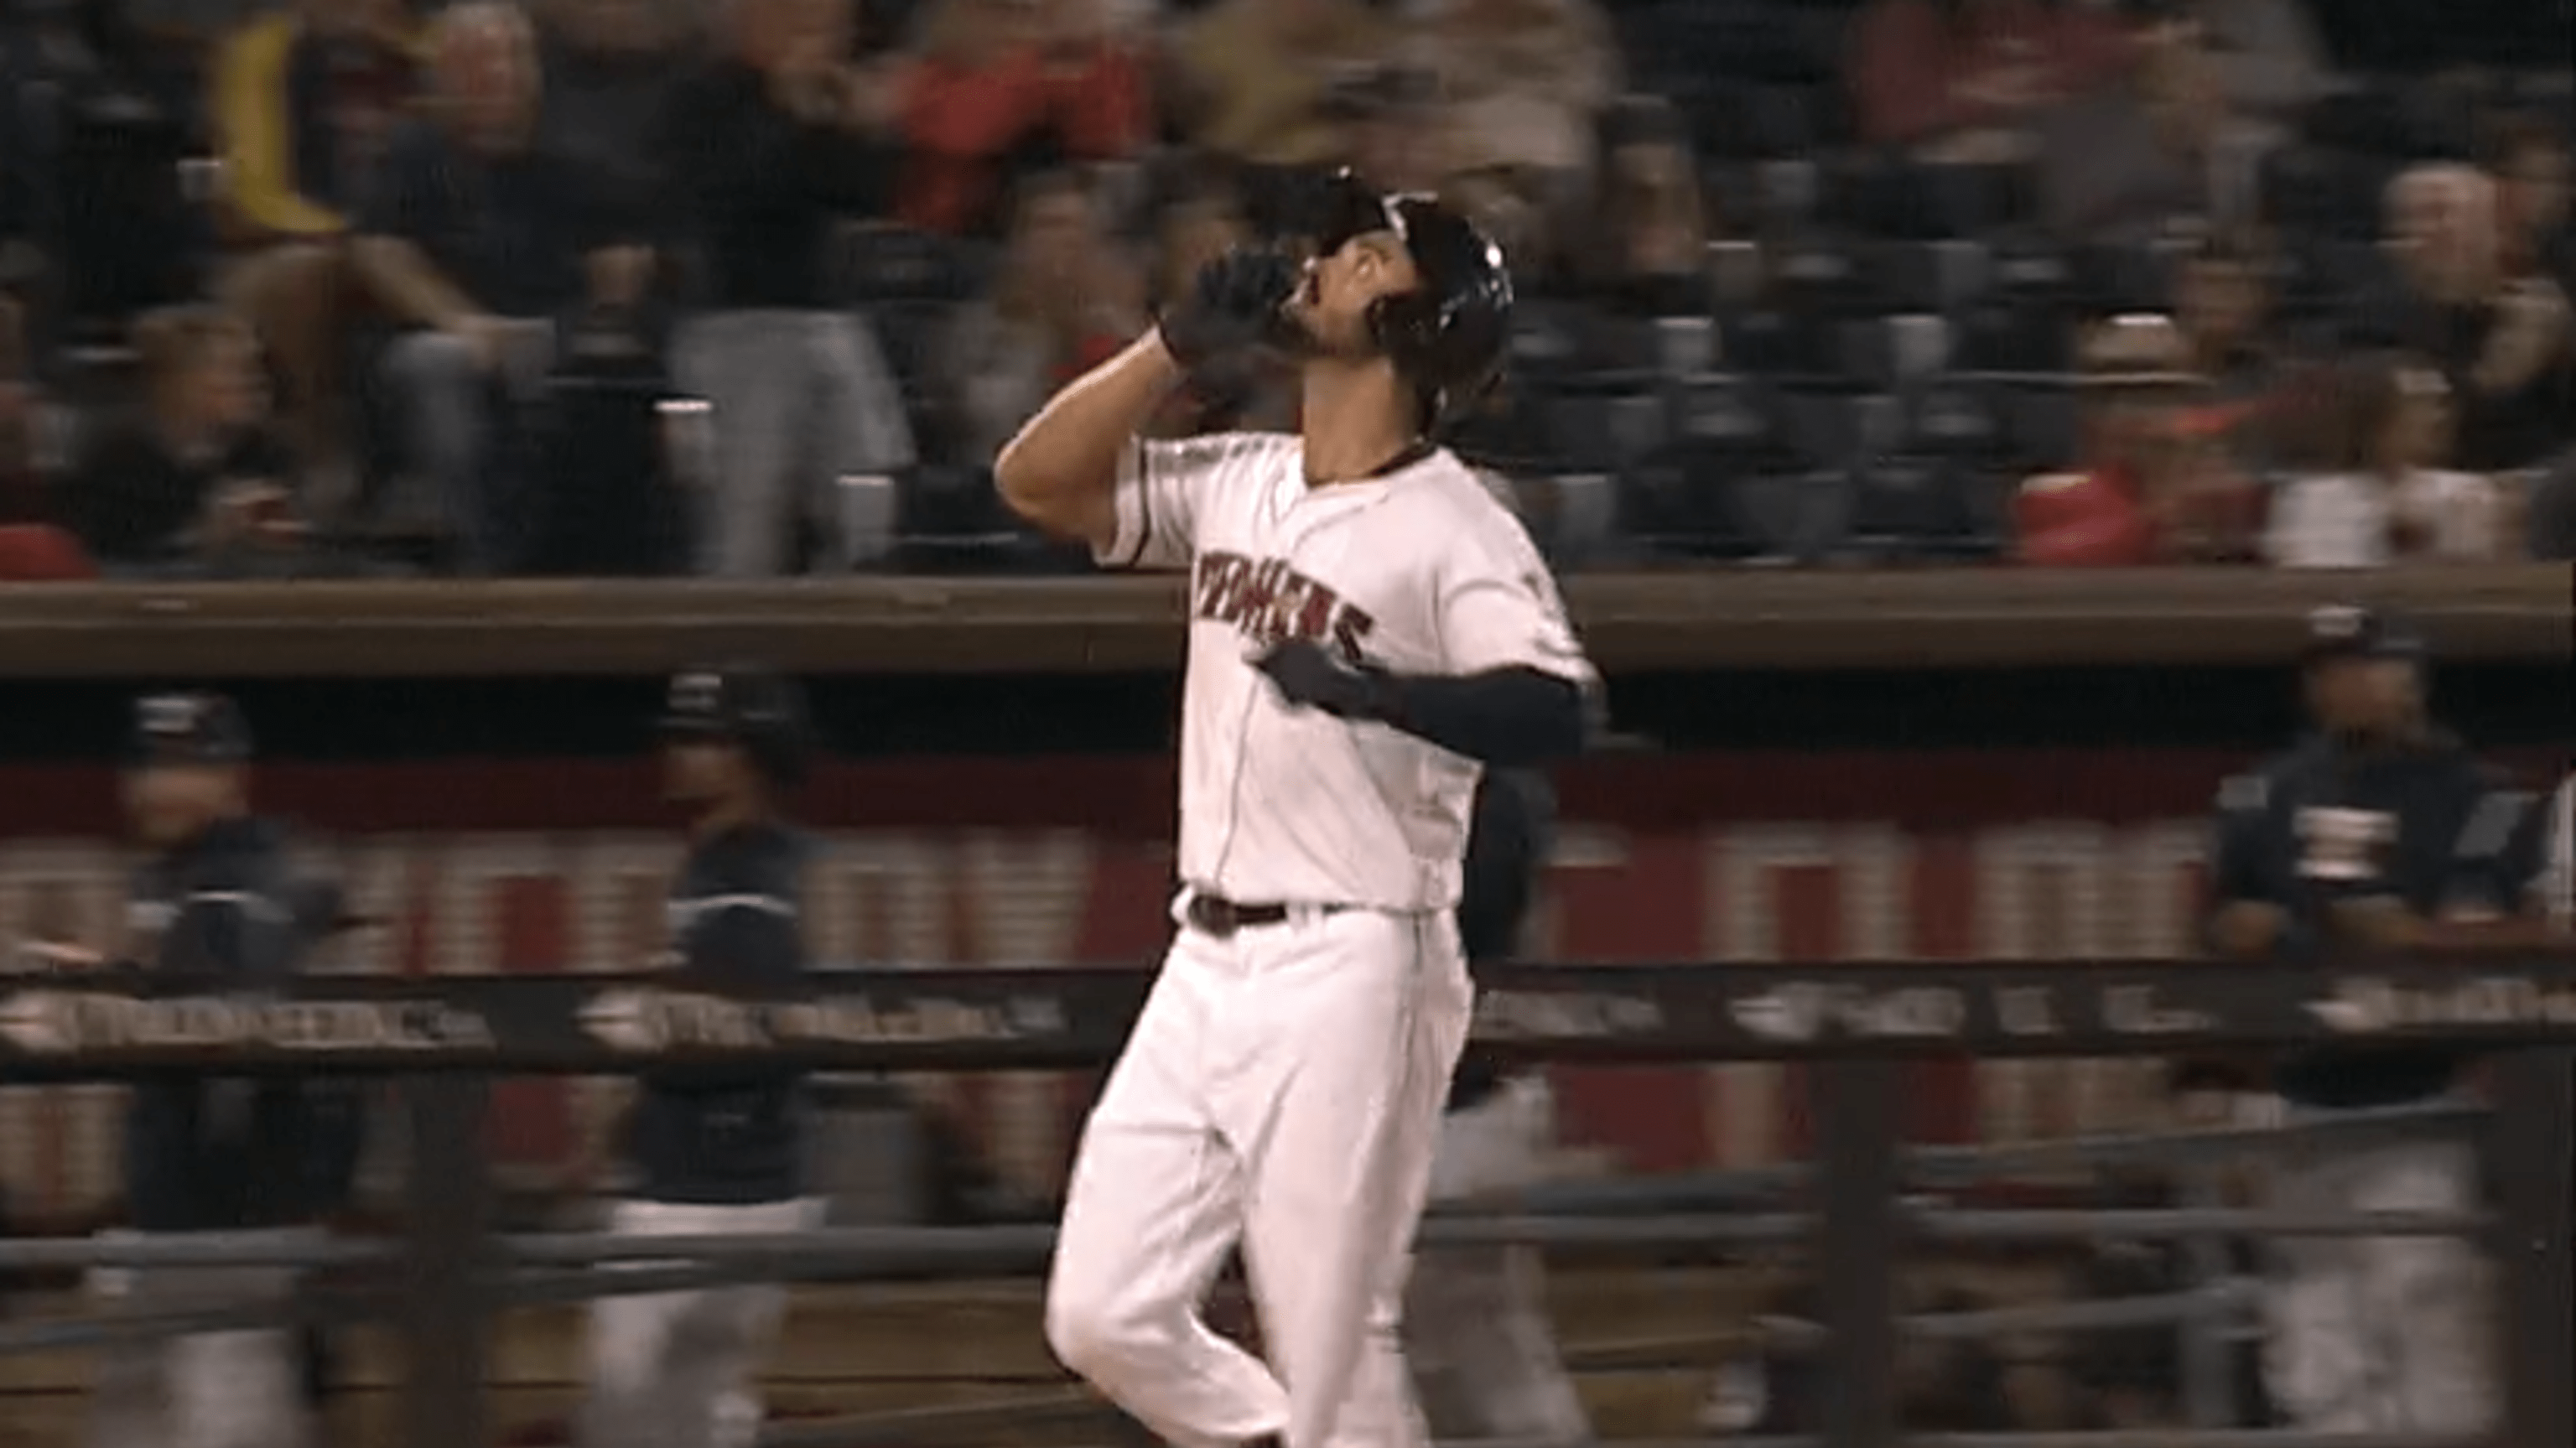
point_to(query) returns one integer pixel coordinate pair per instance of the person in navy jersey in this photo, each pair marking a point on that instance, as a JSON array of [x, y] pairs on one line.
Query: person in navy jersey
[[1476, 1327], [715, 1149], [2380, 832], [216, 899]]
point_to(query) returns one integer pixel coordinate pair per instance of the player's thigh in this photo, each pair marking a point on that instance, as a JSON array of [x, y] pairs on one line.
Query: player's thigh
[[1360, 1016], [1155, 1196], [1159, 1082]]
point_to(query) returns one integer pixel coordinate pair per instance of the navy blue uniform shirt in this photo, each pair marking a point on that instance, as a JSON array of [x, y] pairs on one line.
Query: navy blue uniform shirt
[[2426, 825], [205, 1152], [1507, 840], [730, 1135]]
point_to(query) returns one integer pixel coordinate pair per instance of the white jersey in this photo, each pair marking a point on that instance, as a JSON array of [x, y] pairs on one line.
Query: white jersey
[[1417, 572]]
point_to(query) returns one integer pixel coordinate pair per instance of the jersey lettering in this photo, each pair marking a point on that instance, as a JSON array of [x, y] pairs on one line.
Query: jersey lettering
[[2344, 845], [1267, 601]]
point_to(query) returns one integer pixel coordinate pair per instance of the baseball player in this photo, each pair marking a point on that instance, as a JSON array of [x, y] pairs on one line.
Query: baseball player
[[1368, 629], [715, 1149], [1476, 1324], [2380, 832], [214, 897]]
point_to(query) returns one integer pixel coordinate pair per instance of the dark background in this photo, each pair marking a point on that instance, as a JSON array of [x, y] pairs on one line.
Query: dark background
[[2497, 705]]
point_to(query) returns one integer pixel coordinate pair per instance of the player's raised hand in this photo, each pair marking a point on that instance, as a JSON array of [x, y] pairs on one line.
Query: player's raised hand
[[1307, 675], [1233, 306]]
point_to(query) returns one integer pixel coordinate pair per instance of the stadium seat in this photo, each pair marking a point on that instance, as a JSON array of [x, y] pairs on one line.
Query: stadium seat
[[867, 510], [1946, 276], [2368, 119], [2029, 269], [1788, 191], [1969, 200], [1727, 422], [1955, 420], [1664, 509], [2126, 276], [908, 331], [1922, 509], [1893, 352], [2316, 192], [1687, 346], [1583, 519], [2442, 118], [1604, 423], [1782, 120], [2005, 340], [1820, 274], [611, 504], [881, 263], [1735, 276], [1798, 518], [2349, 269], [941, 509], [1547, 339], [1836, 427], [2043, 421]]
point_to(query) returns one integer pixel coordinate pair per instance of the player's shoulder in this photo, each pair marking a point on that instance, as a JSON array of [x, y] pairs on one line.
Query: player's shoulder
[[1214, 454], [2253, 791], [1475, 508]]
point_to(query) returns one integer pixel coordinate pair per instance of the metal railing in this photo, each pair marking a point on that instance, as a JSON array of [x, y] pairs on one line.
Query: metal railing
[[450, 1273]]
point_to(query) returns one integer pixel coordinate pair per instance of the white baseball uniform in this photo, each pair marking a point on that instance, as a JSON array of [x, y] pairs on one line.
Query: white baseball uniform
[[1283, 1085]]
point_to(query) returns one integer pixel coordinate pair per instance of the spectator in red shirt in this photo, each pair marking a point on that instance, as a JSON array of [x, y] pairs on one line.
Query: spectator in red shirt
[[2153, 489], [1956, 79], [999, 80]]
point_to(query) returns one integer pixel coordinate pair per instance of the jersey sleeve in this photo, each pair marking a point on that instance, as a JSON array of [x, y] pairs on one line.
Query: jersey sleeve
[[1498, 607], [2238, 863], [1163, 495], [2556, 886], [233, 931], [2507, 851], [748, 940]]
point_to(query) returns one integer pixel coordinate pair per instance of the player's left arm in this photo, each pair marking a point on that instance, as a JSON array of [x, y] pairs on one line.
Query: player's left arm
[[2498, 866], [1517, 690], [234, 924], [2556, 889]]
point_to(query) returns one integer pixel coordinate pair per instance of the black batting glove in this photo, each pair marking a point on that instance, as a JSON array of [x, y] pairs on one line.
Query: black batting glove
[[1308, 676], [1233, 306]]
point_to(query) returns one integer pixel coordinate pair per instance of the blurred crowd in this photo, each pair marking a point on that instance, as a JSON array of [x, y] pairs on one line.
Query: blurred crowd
[[755, 287]]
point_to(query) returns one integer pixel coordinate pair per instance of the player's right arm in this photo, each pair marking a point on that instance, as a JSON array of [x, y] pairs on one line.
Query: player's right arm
[[2247, 920], [1062, 471], [1076, 470]]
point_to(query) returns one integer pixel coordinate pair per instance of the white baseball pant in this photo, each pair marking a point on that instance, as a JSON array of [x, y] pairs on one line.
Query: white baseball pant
[[2382, 1334], [241, 1389], [1282, 1089], [1476, 1324], [677, 1369]]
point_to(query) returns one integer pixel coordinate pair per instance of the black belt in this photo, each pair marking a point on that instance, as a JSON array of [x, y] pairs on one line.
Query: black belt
[[1219, 918]]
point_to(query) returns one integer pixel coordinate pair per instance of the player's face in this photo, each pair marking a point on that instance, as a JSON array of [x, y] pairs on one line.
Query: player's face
[[170, 804], [1332, 303], [700, 772], [2364, 696]]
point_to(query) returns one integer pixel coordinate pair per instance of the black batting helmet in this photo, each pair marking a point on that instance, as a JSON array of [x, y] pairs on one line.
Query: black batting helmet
[[758, 709], [2348, 631], [1448, 336], [187, 728]]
